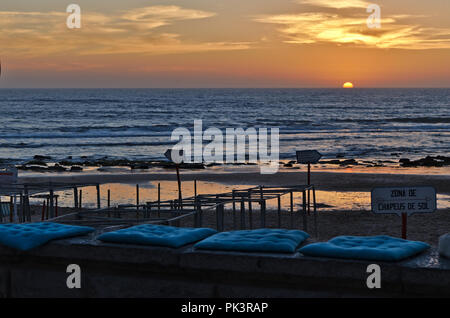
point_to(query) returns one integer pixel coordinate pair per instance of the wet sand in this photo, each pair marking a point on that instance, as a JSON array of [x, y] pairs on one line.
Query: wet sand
[[330, 181]]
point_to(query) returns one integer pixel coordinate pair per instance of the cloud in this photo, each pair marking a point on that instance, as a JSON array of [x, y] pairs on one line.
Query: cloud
[[135, 31], [164, 14], [351, 29], [158, 16], [336, 4]]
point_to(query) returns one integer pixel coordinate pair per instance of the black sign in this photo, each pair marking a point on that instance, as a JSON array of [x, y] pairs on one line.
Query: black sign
[[178, 158], [308, 156]]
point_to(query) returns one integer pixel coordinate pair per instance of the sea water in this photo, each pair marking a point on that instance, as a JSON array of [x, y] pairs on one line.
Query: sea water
[[137, 123]]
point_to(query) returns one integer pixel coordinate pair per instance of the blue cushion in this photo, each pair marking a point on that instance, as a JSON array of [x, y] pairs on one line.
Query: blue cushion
[[27, 236], [376, 248], [150, 234], [261, 240]]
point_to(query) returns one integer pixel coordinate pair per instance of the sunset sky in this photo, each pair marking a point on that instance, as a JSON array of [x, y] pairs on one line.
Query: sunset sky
[[225, 43]]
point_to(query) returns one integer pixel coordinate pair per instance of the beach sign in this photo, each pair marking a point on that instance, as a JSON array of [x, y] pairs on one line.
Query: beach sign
[[168, 154], [399, 200], [176, 159], [308, 156], [174, 156], [403, 201]]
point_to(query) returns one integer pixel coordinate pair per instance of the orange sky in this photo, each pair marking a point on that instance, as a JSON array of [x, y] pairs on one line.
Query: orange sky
[[225, 43]]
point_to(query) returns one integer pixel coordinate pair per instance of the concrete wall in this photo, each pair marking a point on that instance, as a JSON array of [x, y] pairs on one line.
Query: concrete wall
[[114, 270]]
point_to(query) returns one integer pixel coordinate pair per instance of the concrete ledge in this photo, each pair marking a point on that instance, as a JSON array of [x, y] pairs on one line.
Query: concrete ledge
[[119, 270]]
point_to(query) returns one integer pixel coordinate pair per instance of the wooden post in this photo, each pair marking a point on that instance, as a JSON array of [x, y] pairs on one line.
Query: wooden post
[[404, 225], [98, 196], [11, 209], [22, 207], [75, 197], [43, 211], [309, 173], [242, 214], [56, 206], [279, 211], [195, 188], [309, 202], [309, 191], [29, 209], [250, 210], [21, 216], [27, 204], [148, 209], [305, 221], [217, 206], [180, 197], [196, 215], [222, 215], [15, 208], [234, 210], [316, 231], [52, 204], [47, 209], [109, 202], [292, 209], [159, 200], [200, 214], [219, 217], [262, 207], [80, 204], [195, 203], [137, 201]]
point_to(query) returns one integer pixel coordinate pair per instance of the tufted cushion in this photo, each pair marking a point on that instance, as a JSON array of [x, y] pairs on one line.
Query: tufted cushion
[[444, 245], [377, 248], [27, 236], [149, 234], [261, 240]]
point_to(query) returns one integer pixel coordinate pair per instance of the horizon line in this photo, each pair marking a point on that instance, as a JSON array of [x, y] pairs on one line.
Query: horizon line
[[228, 87]]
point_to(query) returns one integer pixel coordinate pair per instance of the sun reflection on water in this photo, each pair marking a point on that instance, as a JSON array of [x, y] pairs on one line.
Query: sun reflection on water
[[122, 193]]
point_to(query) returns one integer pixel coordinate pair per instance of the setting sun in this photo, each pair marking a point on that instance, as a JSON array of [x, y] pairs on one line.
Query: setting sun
[[347, 85]]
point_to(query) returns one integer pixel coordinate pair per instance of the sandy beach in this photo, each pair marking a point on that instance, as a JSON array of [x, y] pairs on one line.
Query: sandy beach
[[343, 221], [333, 181]]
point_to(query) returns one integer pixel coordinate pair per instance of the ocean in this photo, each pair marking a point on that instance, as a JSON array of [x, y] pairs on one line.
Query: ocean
[[137, 123]]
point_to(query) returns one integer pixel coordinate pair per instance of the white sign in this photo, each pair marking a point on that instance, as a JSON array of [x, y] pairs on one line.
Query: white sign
[[398, 200], [308, 156], [8, 176]]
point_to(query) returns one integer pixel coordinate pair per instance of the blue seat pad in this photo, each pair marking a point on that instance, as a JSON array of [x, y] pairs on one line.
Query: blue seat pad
[[377, 248], [160, 235], [261, 240], [30, 235]]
